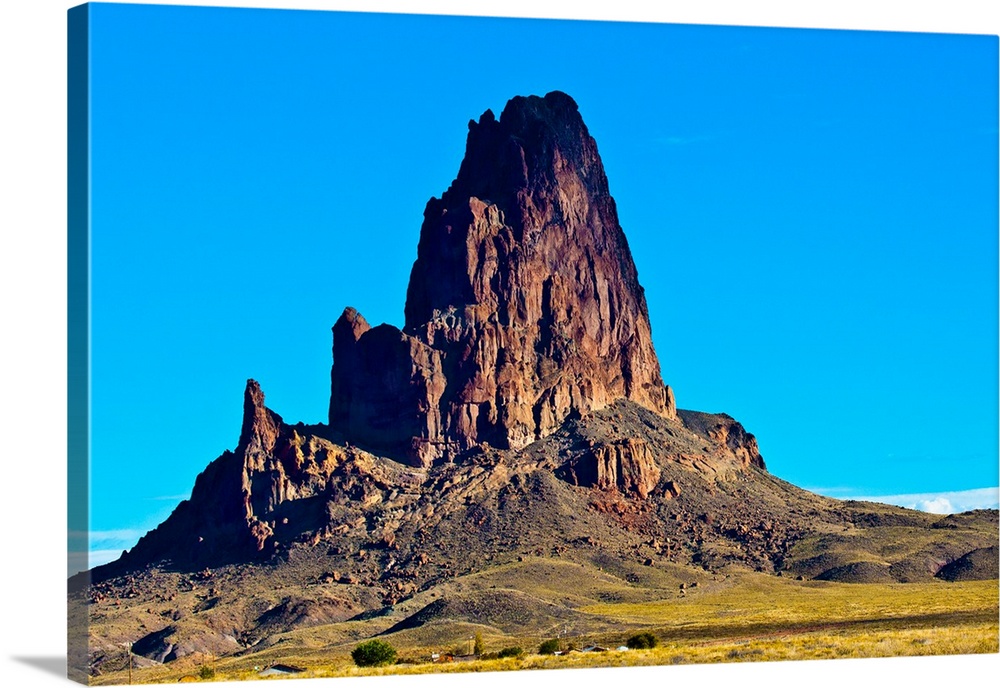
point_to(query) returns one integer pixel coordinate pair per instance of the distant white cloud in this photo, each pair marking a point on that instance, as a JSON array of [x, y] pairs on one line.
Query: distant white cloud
[[932, 502], [101, 546], [107, 545], [119, 536], [938, 505], [82, 561], [96, 557]]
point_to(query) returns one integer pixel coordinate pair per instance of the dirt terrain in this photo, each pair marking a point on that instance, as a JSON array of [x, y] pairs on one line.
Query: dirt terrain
[[509, 543]]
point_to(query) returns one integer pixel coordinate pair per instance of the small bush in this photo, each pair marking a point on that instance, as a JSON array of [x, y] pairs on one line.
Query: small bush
[[373, 653], [206, 673], [549, 647], [510, 652], [641, 641]]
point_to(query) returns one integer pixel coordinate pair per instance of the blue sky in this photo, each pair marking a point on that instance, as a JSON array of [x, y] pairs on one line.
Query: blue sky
[[813, 214]]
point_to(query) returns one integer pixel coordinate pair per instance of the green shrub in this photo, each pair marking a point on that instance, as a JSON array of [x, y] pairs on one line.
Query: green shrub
[[206, 673], [479, 647], [641, 641], [510, 652], [373, 653], [549, 647]]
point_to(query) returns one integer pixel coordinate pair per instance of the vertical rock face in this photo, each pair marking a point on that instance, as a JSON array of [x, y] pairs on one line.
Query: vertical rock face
[[523, 305], [260, 429], [626, 465], [386, 388]]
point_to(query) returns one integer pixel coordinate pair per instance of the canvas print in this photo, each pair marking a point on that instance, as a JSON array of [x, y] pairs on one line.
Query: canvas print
[[651, 344]]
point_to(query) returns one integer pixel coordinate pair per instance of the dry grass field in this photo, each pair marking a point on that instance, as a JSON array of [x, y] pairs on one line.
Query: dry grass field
[[748, 617]]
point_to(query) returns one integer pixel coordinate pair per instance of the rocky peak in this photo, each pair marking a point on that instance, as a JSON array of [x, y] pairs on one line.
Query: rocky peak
[[261, 425], [523, 306], [535, 173]]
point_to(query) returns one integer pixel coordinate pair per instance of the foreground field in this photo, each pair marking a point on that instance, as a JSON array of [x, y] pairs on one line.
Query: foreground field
[[750, 618]]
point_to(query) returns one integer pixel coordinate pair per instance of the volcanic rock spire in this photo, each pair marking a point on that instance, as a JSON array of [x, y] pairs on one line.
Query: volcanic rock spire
[[523, 305]]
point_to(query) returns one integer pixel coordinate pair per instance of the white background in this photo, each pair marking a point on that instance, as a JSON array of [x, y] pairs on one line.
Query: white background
[[33, 332]]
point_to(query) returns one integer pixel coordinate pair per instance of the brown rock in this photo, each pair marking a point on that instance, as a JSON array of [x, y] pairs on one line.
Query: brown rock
[[626, 465], [260, 427], [743, 445], [727, 433], [231, 512], [523, 306], [385, 389], [671, 403]]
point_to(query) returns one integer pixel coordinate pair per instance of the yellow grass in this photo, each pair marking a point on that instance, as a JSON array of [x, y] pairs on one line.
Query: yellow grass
[[763, 601], [757, 619]]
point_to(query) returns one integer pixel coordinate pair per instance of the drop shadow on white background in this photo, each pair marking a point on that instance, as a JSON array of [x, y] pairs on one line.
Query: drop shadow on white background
[[33, 353]]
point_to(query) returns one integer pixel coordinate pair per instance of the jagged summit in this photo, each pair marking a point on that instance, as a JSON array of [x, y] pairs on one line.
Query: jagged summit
[[260, 424], [536, 145], [523, 307]]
